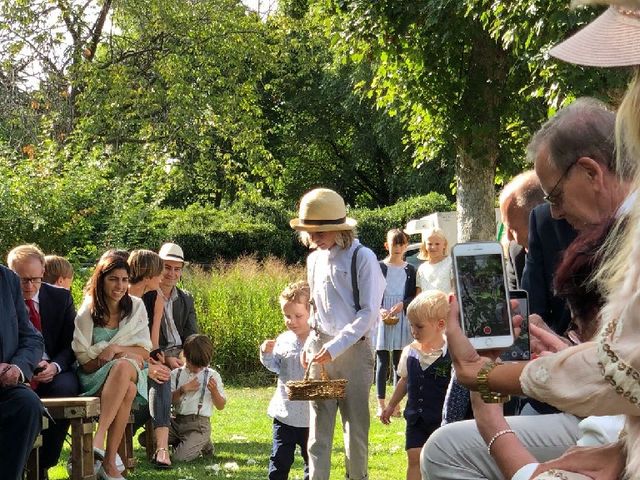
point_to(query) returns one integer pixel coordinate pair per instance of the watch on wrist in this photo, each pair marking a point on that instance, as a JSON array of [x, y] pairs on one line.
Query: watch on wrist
[[482, 381]]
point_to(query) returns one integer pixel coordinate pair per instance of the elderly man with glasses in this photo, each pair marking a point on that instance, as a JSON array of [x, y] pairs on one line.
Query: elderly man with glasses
[[51, 312], [574, 157]]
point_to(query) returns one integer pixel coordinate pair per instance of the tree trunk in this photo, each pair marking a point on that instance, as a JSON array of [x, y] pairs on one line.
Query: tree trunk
[[475, 199], [478, 143]]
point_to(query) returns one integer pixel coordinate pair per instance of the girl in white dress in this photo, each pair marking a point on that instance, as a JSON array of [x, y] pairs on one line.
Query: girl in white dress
[[435, 273]]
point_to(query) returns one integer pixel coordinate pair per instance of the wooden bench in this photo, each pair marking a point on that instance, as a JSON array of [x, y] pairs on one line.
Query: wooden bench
[[82, 413]]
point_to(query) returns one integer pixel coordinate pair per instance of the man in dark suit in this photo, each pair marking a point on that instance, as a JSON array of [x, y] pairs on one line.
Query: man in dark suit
[[51, 311], [517, 199], [21, 349], [548, 238]]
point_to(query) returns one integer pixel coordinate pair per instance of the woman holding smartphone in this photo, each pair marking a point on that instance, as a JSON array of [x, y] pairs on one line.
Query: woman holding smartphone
[[146, 271]]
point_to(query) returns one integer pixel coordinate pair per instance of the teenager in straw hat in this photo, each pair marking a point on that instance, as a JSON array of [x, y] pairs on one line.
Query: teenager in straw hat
[[342, 321], [598, 377]]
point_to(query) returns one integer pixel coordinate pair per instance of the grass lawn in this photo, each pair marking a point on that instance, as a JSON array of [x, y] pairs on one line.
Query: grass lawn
[[242, 438]]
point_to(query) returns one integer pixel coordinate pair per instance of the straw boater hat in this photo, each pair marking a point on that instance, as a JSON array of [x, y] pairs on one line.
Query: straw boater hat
[[611, 40], [322, 210]]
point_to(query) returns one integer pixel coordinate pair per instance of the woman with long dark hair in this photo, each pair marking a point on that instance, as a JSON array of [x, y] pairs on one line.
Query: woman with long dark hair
[[112, 343]]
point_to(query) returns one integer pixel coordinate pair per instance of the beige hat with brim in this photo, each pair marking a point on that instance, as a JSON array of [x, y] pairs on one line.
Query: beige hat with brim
[[611, 40], [322, 210]]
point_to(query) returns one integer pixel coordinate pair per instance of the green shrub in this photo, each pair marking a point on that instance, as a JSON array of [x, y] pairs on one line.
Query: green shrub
[[208, 234], [237, 306], [375, 223]]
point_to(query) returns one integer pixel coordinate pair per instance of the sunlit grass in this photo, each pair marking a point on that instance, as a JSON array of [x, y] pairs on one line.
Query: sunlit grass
[[242, 438]]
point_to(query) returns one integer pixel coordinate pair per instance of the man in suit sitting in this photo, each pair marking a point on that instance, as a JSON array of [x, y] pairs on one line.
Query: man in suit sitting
[[51, 311], [20, 351], [517, 199]]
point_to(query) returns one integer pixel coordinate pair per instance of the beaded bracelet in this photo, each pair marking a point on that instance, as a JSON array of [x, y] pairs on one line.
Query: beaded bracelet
[[497, 436]]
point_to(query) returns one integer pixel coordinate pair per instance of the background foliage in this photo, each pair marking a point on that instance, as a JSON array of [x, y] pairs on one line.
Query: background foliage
[[125, 123]]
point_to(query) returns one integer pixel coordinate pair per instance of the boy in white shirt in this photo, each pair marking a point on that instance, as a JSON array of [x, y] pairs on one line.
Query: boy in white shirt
[[196, 389], [282, 356]]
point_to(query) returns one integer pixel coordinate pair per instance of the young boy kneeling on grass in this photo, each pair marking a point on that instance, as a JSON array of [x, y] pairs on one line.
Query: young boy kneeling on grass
[[282, 356], [196, 388], [425, 370]]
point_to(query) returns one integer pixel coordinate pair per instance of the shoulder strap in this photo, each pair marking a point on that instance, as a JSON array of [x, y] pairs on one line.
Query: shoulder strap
[[203, 389], [354, 278], [384, 268], [178, 377]]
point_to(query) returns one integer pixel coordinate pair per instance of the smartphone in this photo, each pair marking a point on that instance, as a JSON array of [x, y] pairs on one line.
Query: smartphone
[[481, 288], [38, 370], [521, 349]]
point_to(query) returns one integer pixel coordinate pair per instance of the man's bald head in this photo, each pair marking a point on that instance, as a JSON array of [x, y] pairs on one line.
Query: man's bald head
[[517, 199]]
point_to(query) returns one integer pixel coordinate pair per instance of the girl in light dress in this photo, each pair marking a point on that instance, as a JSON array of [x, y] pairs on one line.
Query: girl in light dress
[[435, 273], [400, 290]]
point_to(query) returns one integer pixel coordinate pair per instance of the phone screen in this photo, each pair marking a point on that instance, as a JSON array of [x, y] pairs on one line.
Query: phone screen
[[520, 350], [483, 296]]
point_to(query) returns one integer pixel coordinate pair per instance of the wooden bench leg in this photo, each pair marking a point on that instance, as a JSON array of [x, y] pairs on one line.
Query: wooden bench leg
[[150, 439], [82, 449], [125, 450]]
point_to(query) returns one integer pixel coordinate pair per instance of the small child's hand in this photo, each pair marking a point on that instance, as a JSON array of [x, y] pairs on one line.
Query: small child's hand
[[397, 308], [212, 386], [384, 313], [267, 346], [385, 416], [191, 386]]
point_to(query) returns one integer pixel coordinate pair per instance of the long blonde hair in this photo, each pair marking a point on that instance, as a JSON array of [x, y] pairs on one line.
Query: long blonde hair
[[618, 248]]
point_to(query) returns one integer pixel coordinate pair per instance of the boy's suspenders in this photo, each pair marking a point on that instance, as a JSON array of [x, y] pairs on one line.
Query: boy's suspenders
[[202, 390], [354, 279]]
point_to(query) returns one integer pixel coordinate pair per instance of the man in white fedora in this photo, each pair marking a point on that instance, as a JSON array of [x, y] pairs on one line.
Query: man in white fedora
[[346, 290], [179, 319]]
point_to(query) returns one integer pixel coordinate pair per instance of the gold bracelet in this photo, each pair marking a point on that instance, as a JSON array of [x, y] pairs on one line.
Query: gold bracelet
[[497, 436], [482, 380]]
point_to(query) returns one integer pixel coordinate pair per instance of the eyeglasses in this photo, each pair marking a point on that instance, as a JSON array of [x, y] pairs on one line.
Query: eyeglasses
[[554, 198], [32, 280]]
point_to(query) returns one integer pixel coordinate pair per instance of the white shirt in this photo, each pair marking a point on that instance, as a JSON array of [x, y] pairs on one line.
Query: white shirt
[[168, 323], [188, 403], [435, 276], [285, 361], [335, 313]]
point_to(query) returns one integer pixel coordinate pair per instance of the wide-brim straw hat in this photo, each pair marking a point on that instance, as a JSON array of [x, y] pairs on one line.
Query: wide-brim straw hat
[[611, 40], [322, 210]]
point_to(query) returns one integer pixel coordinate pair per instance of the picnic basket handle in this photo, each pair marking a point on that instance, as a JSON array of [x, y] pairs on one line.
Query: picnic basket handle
[[323, 372]]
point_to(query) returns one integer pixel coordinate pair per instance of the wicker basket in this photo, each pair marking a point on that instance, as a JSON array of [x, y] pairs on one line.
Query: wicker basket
[[322, 389], [390, 320]]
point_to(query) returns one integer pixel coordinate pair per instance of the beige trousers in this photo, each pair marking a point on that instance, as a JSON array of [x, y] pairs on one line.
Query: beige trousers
[[355, 365], [190, 434]]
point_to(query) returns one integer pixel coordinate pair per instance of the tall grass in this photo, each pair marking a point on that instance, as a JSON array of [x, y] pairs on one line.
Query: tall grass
[[237, 307]]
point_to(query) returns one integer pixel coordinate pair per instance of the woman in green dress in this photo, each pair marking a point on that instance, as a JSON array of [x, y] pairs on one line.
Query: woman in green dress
[[112, 344]]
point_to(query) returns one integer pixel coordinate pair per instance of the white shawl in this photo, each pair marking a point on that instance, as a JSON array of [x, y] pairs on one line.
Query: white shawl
[[133, 331]]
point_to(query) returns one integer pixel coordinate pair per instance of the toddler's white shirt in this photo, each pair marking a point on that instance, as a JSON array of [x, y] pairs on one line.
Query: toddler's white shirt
[[188, 403]]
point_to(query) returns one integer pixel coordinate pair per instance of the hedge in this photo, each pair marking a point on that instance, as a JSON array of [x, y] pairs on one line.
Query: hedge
[[262, 228]]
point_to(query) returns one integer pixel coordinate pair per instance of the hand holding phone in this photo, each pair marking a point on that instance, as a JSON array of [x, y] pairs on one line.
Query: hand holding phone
[[481, 288], [520, 350]]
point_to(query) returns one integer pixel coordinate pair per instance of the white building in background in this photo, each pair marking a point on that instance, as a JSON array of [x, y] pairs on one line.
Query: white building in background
[[445, 221]]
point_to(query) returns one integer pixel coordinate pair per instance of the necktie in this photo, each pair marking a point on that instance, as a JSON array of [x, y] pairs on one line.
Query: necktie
[[34, 315]]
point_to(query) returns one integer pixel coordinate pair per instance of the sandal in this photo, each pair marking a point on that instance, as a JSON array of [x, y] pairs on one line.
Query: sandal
[[157, 463]]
